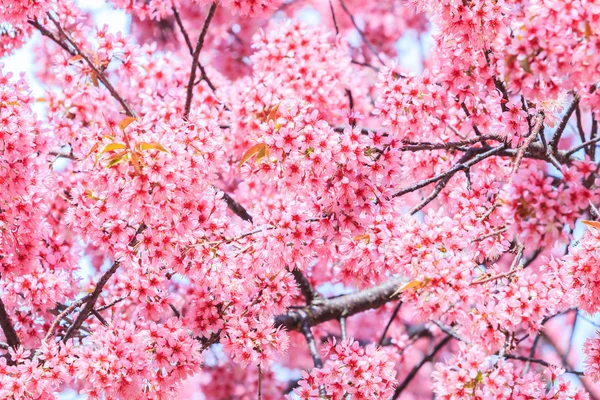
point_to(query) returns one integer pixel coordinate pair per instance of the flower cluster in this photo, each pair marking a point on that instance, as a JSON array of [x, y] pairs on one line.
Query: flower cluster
[[350, 370], [471, 374]]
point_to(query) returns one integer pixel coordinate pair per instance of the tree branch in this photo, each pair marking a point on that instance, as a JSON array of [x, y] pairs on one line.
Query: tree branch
[[8, 328], [195, 56], [553, 144], [342, 306], [101, 77], [309, 292], [188, 42], [461, 166], [236, 207], [89, 305], [417, 367], [63, 314]]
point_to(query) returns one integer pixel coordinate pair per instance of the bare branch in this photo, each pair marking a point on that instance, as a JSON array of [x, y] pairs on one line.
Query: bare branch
[[8, 328], [236, 207], [312, 344], [540, 362], [362, 34], [337, 29], [195, 56], [335, 308], [188, 42], [387, 327], [413, 372], [63, 314], [309, 292], [553, 144], [461, 166], [100, 74], [89, 305]]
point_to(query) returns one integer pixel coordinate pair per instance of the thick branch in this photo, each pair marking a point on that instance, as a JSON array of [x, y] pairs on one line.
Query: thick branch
[[236, 207], [342, 306], [196, 55], [8, 328]]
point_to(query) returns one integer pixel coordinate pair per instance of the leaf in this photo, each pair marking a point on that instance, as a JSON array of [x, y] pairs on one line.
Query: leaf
[[135, 160], [364, 237], [93, 149], [112, 147], [273, 114], [415, 284], [593, 224], [588, 30], [75, 59], [525, 65], [151, 146], [125, 122], [116, 159], [10, 103], [260, 150], [94, 77]]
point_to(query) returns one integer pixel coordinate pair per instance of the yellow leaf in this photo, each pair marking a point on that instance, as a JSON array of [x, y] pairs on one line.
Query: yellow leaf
[[118, 158], [365, 237], [151, 146], [10, 103], [525, 65], [112, 147], [416, 284], [588, 29], [273, 114], [73, 60], [94, 77], [593, 224], [93, 149], [260, 150], [135, 160], [125, 123]]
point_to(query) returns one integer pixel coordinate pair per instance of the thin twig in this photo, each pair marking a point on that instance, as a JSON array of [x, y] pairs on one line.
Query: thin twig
[[581, 146], [100, 318], [111, 303], [451, 171], [188, 42], [540, 362], [337, 30], [99, 74], [389, 323], [195, 56], [89, 305], [259, 382], [63, 314], [416, 368], [361, 33], [553, 144]]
